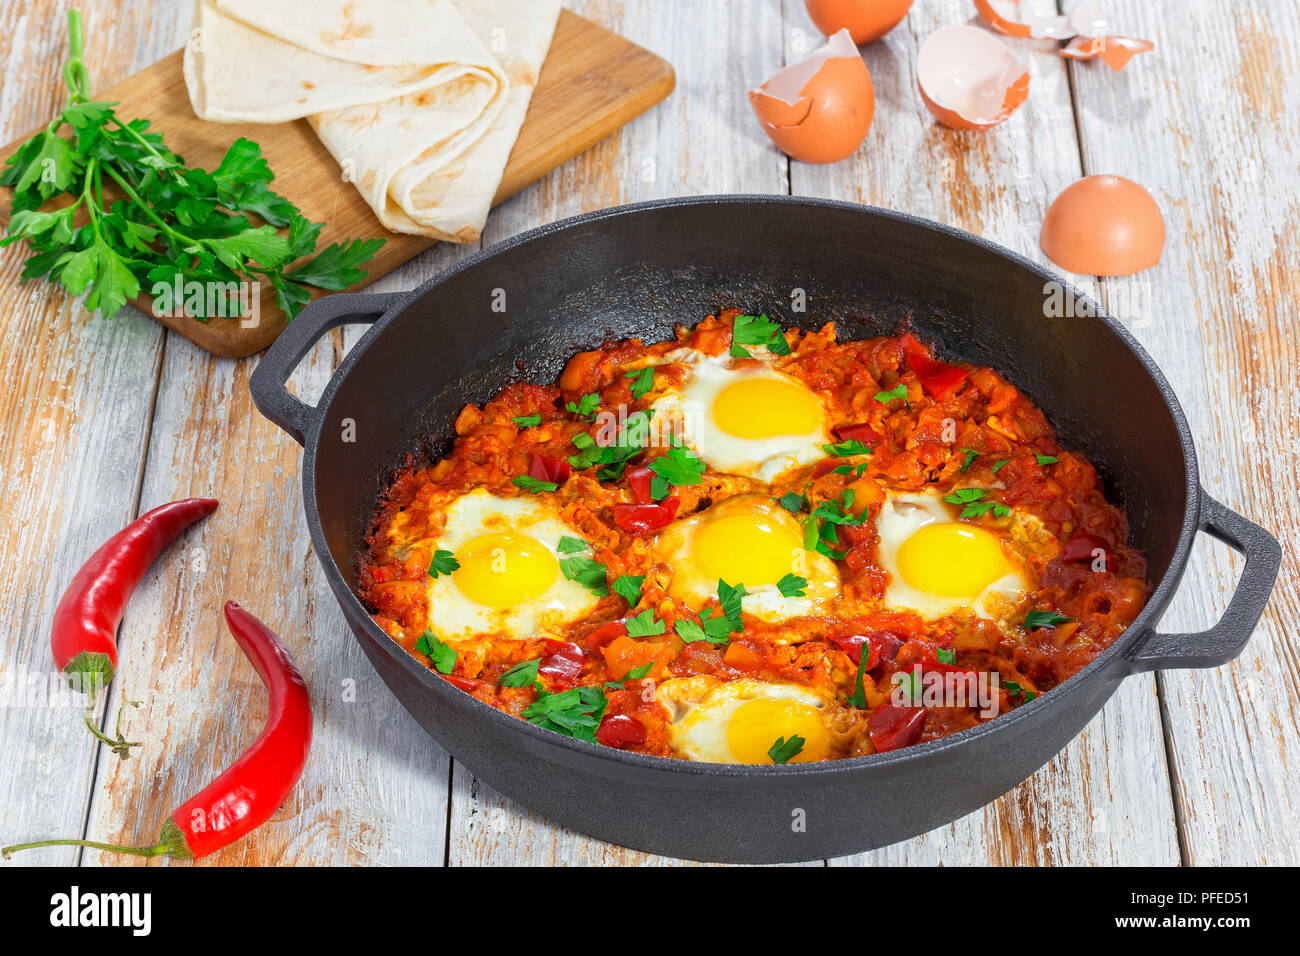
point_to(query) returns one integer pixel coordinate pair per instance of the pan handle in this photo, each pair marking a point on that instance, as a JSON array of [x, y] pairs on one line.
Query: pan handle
[[1225, 640], [267, 381]]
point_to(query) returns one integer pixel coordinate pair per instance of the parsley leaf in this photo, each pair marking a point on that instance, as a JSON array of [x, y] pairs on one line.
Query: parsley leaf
[[1015, 690], [643, 380], [757, 330], [679, 466], [792, 586], [628, 587], [584, 407], [526, 421], [716, 628], [785, 750], [574, 713], [1036, 619], [645, 624], [898, 391], [974, 504], [535, 485], [793, 502], [847, 449], [588, 572], [999, 464], [971, 455], [442, 656], [444, 562], [945, 656], [1046, 459], [637, 673], [521, 675], [859, 696]]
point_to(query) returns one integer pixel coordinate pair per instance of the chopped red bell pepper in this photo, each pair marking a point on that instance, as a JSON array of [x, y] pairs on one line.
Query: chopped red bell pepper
[[467, 684], [938, 378], [860, 432], [881, 645], [563, 661], [620, 730], [606, 633], [892, 727], [546, 468], [1082, 546], [638, 519], [639, 479]]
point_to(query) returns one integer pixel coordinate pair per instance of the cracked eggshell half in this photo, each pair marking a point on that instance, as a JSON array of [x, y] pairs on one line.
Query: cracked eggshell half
[[866, 20], [1104, 226], [969, 79], [818, 110], [1114, 51]]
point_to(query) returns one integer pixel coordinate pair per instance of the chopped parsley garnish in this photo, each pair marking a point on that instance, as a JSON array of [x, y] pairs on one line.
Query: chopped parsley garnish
[[785, 750], [658, 488], [521, 675], [717, 628], [574, 713], [635, 673], [946, 656], [588, 572], [440, 654], [757, 330], [999, 464], [525, 421], [444, 562], [793, 502], [1046, 459], [568, 545], [910, 684], [628, 587], [859, 696], [792, 586], [1015, 690], [857, 470], [643, 380], [535, 485], [847, 449], [898, 391], [679, 466], [630, 441], [584, 407], [1036, 619], [837, 512], [971, 455], [974, 503], [645, 624]]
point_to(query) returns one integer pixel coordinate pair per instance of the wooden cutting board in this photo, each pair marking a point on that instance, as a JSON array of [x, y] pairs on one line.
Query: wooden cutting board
[[593, 82]]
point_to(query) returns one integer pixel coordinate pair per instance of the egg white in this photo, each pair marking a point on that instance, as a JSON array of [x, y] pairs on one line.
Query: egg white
[[761, 458], [453, 616], [902, 515]]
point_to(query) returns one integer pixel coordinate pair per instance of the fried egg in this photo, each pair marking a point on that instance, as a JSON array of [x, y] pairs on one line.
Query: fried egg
[[739, 721], [744, 417], [749, 540], [939, 565], [509, 579]]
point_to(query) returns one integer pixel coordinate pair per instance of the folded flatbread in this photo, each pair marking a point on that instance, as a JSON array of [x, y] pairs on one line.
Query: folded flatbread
[[420, 101]]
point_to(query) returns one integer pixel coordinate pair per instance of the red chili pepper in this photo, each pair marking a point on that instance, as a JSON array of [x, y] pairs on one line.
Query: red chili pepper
[[892, 727], [861, 432], [563, 661], [619, 730], [639, 519], [546, 468], [1082, 547], [938, 378], [86, 620], [639, 479], [253, 787]]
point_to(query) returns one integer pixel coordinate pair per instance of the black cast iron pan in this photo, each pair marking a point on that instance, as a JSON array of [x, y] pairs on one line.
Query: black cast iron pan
[[520, 309]]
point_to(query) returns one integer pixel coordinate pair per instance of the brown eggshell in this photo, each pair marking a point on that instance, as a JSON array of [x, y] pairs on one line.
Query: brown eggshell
[[1115, 52], [1005, 15], [969, 79], [818, 110], [1105, 226], [866, 20]]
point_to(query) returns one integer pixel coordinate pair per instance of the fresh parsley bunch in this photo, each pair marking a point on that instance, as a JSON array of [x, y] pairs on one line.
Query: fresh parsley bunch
[[173, 222]]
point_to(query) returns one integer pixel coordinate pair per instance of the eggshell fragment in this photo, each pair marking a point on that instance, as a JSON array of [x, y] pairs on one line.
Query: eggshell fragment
[[866, 20], [1105, 226], [1006, 15], [1115, 52], [969, 79], [819, 109]]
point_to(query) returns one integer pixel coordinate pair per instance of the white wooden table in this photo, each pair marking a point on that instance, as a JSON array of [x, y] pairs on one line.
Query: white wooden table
[[102, 420]]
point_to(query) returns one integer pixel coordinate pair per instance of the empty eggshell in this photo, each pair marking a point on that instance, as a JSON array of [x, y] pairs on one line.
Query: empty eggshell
[[969, 79], [819, 109], [1115, 52], [1006, 15], [1105, 226], [866, 20]]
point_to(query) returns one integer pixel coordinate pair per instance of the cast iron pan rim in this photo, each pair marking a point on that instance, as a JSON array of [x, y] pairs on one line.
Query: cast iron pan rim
[[935, 749]]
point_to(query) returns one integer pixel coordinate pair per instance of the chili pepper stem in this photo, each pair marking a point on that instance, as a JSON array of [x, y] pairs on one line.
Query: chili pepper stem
[[171, 842], [119, 745]]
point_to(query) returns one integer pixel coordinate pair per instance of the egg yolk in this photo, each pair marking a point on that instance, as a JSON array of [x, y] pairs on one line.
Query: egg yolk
[[763, 407], [756, 725], [503, 569], [752, 549], [951, 559]]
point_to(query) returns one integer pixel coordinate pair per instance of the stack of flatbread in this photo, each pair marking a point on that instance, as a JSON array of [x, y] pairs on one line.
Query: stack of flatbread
[[420, 101]]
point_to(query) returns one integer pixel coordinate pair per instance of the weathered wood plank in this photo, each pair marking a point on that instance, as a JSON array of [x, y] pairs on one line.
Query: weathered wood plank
[[75, 409], [1206, 122], [1106, 798]]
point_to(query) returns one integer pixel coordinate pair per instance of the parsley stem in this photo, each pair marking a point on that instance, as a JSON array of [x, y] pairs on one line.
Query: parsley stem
[[148, 210], [74, 71]]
